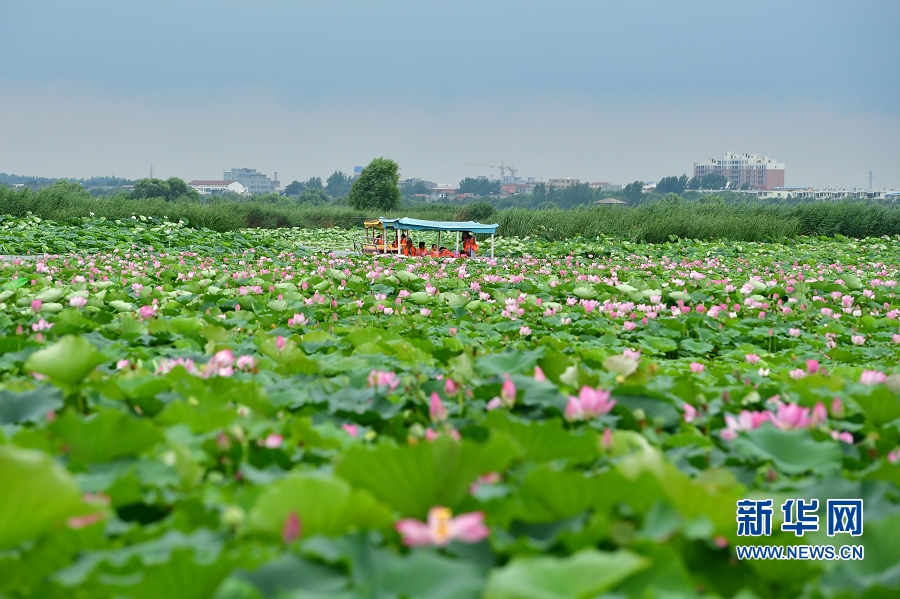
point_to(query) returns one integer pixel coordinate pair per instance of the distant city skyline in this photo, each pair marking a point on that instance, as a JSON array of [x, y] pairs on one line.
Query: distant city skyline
[[596, 91]]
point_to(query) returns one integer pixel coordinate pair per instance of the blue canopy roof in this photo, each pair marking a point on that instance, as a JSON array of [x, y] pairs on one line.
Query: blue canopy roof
[[414, 224]]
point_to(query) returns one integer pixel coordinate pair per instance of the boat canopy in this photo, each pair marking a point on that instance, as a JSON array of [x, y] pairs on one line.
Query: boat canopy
[[414, 224]]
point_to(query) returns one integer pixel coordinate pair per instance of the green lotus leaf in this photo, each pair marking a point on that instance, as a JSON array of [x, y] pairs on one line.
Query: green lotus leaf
[[68, 360], [37, 494]]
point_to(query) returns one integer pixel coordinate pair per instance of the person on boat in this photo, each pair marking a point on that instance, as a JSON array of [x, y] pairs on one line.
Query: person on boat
[[408, 248], [445, 253], [379, 242], [434, 253], [421, 251], [470, 246], [402, 241]]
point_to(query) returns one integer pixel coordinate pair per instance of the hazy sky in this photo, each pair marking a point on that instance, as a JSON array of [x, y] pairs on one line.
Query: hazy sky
[[599, 90]]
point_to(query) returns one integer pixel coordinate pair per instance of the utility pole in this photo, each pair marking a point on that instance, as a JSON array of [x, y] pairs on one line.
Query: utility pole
[[870, 180]]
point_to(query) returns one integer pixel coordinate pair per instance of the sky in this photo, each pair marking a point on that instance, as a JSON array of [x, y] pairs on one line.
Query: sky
[[590, 89]]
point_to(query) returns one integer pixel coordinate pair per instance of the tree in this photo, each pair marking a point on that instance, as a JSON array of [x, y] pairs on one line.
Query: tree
[[295, 188], [712, 181], [672, 184], [634, 191], [151, 188], [338, 184], [481, 212], [169, 190], [693, 183], [314, 197], [479, 187], [415, 188], [376, 187], [314, 183], [539, 192], [177, 188], [575, 195]]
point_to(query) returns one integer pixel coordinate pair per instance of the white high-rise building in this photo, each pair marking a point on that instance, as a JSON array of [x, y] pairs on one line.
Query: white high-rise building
[[254, 182], [758, 173]]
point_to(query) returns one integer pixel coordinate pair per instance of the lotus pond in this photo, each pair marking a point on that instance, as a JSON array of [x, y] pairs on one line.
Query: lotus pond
[[187, 414]]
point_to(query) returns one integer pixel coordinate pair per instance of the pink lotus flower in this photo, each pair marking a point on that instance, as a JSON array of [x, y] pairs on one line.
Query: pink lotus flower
[[36, 305], [450, 387], [83, 521], [220, 364], [383, 380], [292, 528], [508, 393], [436, 409], [167, 365], [812, 366], [351, 429], [524, 331], [78, 302], [491, 478], [697, 367], [746, 421], [123, 363], [858, 340], [279, 343], [298, 320], [790, 417], [147, 312], [633, 354], [590, 403], [894, 456], [872, 377], [431, 435], [844, 436], [494, 404], [690, 412], [607, 439], [628, 326], [819, 414], [246, 363], [837, 408], [41, 325], [589, 305], [273, 441], [539, 375], [425, 312], [797, 374], [752, 358], [441, 528], [794, 332]]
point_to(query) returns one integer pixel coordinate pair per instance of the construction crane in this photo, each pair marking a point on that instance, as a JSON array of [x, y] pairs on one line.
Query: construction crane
[[502, 166]]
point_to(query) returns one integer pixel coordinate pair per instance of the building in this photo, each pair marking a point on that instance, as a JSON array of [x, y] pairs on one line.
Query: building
[[563, 182], [254, 182], [215, 188], [741, 169], [516, 188], [604, 186], [810, 193]]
